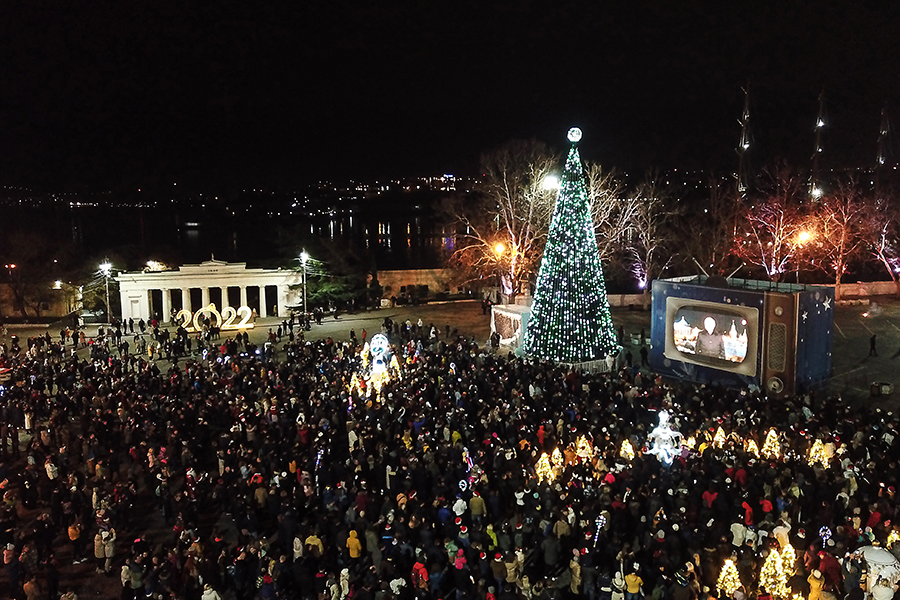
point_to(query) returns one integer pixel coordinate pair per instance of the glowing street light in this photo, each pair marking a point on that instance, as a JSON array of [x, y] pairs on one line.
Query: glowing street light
[[551, 182], [499, 249], [803, 237]]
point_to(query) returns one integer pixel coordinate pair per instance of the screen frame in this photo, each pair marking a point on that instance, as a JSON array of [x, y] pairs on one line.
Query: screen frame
[[748, 313]]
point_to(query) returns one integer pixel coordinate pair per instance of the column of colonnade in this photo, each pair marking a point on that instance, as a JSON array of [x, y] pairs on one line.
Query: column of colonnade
[[167, 301]]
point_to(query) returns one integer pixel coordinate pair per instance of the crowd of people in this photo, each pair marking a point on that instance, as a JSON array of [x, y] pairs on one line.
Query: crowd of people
[[249, 475]]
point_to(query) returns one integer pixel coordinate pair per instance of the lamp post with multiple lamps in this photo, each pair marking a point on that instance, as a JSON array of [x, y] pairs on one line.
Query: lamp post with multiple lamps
[[106, 270], [304, 259]]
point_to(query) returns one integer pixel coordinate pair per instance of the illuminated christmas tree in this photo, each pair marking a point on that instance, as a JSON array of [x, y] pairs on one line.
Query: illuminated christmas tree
[[771, 448], [719, 439], [752, 448], [817, 454], [789, 560], [729, 579], [773, 577], [627, 450], [544, 470], [570, 319]]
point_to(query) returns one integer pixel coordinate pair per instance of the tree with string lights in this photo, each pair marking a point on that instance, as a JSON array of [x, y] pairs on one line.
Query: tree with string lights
[[570, 319]]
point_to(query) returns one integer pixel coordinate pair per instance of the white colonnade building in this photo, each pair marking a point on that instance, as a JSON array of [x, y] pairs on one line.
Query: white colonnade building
[[161, 294]]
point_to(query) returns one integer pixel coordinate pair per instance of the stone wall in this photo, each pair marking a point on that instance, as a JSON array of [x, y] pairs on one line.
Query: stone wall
[[437, 280]]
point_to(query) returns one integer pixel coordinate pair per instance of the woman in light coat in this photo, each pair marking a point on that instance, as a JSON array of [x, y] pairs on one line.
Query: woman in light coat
[[105, 548]]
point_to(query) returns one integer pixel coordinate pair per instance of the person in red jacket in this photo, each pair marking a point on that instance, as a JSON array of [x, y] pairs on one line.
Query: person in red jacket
[[420, 575]]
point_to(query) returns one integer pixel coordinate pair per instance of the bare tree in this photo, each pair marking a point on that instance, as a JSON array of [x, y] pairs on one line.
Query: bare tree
[[709, 231], [650, 234], [769, 227], [883, 232], [503, 232], [35, 262], [841, 232], [611, 209]]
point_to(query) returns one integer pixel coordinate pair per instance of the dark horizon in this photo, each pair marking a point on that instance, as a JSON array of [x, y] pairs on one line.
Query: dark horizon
[[122, 97]]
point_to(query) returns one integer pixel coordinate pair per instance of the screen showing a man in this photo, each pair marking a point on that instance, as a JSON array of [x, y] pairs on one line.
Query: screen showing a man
[[709, 341], [714, 335]]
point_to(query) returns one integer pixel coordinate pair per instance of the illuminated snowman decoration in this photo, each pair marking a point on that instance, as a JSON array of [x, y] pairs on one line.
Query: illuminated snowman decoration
[[380, 350], [664, 441]]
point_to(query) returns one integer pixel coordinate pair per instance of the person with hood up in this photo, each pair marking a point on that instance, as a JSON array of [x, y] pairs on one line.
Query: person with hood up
[[209, 593], [345, 582], [816, 583], [354, 546], [618, 587], [575, 570], [104, 548], [419, 575]]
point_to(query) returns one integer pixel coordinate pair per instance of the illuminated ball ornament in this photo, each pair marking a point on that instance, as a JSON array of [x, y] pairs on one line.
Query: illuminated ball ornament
[[574, 135]]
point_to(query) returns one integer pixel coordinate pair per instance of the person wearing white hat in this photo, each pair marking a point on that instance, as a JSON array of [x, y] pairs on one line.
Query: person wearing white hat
[[816, 583]]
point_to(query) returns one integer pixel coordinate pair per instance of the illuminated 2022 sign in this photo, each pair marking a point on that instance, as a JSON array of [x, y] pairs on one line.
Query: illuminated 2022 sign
[[223, 320]]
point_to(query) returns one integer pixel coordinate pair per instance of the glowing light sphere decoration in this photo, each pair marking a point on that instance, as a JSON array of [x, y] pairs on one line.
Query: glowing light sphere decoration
[[570, 317], [665, 442]]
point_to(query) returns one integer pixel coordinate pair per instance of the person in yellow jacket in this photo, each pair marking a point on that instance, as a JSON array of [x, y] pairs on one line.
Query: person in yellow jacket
[[816, 583], [354, 546], [633, 585]]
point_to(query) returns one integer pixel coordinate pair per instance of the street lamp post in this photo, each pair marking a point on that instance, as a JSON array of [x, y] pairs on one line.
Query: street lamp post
[[499, 249], [304, 258], [106, 268]]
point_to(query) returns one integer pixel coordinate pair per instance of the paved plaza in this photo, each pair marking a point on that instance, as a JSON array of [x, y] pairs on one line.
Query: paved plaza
[[854, 370]]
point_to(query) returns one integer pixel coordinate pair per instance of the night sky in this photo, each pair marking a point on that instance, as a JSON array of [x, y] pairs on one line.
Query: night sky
[[122, 95]]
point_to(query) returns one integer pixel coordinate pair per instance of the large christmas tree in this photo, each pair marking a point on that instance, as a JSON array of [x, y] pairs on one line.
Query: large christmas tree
[[570, 320]]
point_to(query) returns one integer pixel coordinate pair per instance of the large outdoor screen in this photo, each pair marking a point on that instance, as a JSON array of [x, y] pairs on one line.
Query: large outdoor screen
[[711, 334], [715, 335]]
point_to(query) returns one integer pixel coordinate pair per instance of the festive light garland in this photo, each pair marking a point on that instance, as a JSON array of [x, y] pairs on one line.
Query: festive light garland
[[570, 317]]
